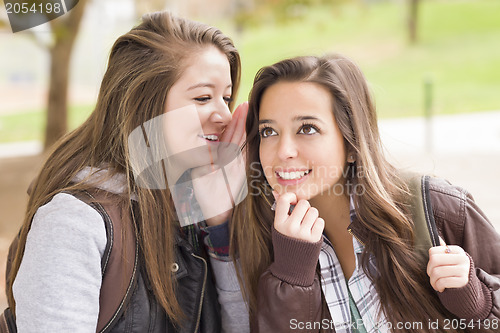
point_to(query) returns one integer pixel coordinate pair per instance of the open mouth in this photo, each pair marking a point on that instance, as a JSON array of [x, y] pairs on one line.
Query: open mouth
[[294, 175], [210, 137]]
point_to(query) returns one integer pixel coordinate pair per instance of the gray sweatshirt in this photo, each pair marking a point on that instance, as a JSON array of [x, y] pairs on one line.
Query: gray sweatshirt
[[59, 280]]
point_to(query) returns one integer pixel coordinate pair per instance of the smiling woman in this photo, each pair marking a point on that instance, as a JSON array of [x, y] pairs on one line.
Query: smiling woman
[[167, 90], [347, 257]]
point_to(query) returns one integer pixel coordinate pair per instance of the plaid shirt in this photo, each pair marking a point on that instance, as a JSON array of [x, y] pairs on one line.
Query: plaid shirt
[[363, 291]]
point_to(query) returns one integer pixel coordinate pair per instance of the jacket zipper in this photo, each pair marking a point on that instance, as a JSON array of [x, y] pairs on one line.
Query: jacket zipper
[[352, 234], [202, 292]]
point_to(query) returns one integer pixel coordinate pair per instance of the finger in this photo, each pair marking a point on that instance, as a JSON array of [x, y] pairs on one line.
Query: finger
[[231, 127], [449, 271], [450, 282], [283, 206], [317, 229], [239, 135], [448, 260], [308, 221], [276, 196], [443, 243], [203, 170], [235, 129], [299, 212], [448, 249]]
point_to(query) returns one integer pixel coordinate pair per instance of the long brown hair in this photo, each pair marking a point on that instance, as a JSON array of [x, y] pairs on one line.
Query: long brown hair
[[401, 281], [143, 65]]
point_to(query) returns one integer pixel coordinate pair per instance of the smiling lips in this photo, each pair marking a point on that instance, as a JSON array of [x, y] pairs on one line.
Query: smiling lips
[[291, 177], [210, 137]]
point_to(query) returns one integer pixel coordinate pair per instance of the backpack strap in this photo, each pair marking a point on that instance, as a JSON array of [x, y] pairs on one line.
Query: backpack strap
[[119, 263], [426, 234]]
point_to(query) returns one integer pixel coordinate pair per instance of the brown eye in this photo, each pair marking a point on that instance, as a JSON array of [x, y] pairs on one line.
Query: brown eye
[[308, 130], [266, 132]]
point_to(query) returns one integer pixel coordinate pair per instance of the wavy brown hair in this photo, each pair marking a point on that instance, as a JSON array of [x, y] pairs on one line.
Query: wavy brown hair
[[143, 65], [401, 281]]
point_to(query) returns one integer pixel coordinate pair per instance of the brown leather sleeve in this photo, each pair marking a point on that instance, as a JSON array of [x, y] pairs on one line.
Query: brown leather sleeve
[[289, 293], [283, 307], [461, 222]]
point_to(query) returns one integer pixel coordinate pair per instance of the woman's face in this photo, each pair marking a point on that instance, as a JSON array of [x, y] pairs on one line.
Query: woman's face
[[196, 110], [301, 148]]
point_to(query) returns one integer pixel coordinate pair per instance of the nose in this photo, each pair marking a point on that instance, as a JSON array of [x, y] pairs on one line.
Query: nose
[[221, 114], [287, 148]]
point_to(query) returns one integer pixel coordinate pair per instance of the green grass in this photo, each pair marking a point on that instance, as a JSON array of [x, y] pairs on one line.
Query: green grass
[[29, 125], [459, 50]]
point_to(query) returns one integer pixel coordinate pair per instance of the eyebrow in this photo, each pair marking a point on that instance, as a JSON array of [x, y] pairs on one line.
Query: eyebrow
[[296, 118], [205, 85]]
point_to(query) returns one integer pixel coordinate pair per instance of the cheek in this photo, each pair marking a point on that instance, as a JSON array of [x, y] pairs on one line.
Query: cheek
[[203, 114], [265, 161], [328, 163], [337, 163]]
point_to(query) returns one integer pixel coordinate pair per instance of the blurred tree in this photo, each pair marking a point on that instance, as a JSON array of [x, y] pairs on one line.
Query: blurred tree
[[413, 6], [3, 17], [64, 32]]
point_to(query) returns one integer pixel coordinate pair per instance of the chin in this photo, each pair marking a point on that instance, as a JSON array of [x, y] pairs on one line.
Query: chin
[[301, 195], [304, 196]]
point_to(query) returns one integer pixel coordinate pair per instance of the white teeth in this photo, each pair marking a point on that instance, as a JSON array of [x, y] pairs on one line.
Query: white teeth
[[211, 137], [292, 175]]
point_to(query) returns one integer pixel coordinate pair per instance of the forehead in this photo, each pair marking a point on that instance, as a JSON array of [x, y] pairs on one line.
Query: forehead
[[286, 100], [207, 61]]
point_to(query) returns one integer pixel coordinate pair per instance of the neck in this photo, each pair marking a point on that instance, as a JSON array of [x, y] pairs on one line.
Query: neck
[[334, 209]]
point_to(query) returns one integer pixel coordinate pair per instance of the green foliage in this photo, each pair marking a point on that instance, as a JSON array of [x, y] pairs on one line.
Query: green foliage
[[279, 11]]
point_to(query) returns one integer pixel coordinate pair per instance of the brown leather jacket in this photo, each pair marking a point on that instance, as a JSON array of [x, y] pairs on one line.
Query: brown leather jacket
[[290, 288]]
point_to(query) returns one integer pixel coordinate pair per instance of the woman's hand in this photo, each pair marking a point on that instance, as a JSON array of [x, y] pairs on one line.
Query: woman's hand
[[303, 223], [215, 191], [448, 267], [235, 130]]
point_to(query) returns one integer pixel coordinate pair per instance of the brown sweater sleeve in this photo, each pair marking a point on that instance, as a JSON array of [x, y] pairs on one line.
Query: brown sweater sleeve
[[473, 301], [289, 292]]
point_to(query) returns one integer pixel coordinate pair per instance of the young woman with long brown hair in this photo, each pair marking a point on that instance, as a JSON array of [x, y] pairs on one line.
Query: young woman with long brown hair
[[163, 111], [326, 239]]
